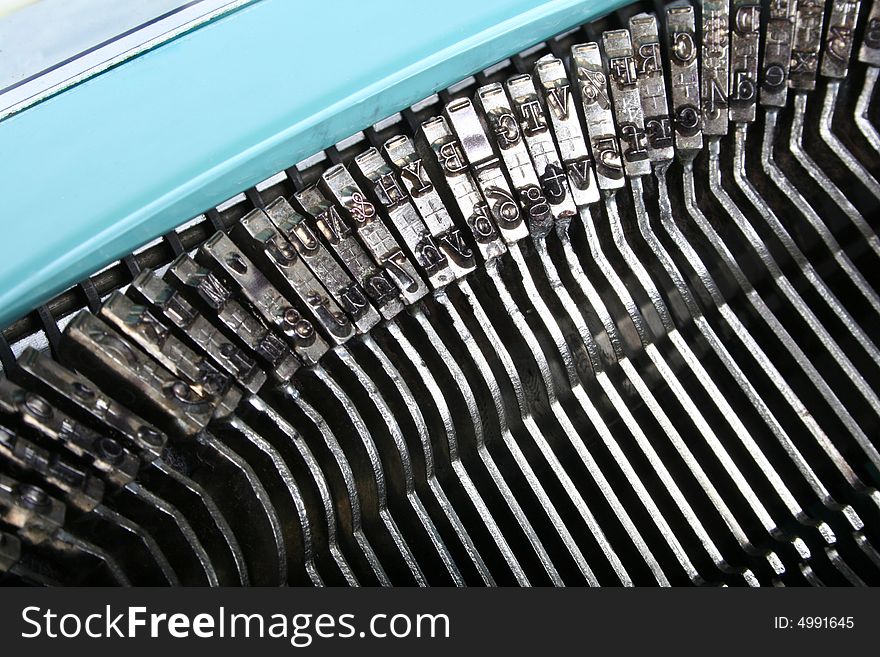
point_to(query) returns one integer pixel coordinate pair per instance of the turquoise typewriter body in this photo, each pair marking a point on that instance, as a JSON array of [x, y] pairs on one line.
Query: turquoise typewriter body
[[105, 166]]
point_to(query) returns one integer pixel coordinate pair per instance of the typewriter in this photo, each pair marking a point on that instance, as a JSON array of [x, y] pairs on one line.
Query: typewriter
[[514, 294]]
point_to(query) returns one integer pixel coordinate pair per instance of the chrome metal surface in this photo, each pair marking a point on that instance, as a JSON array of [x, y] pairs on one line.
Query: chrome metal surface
[[528, 331]]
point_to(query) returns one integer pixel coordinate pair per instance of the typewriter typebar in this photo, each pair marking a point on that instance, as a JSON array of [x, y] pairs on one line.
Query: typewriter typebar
[[606, 312]]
